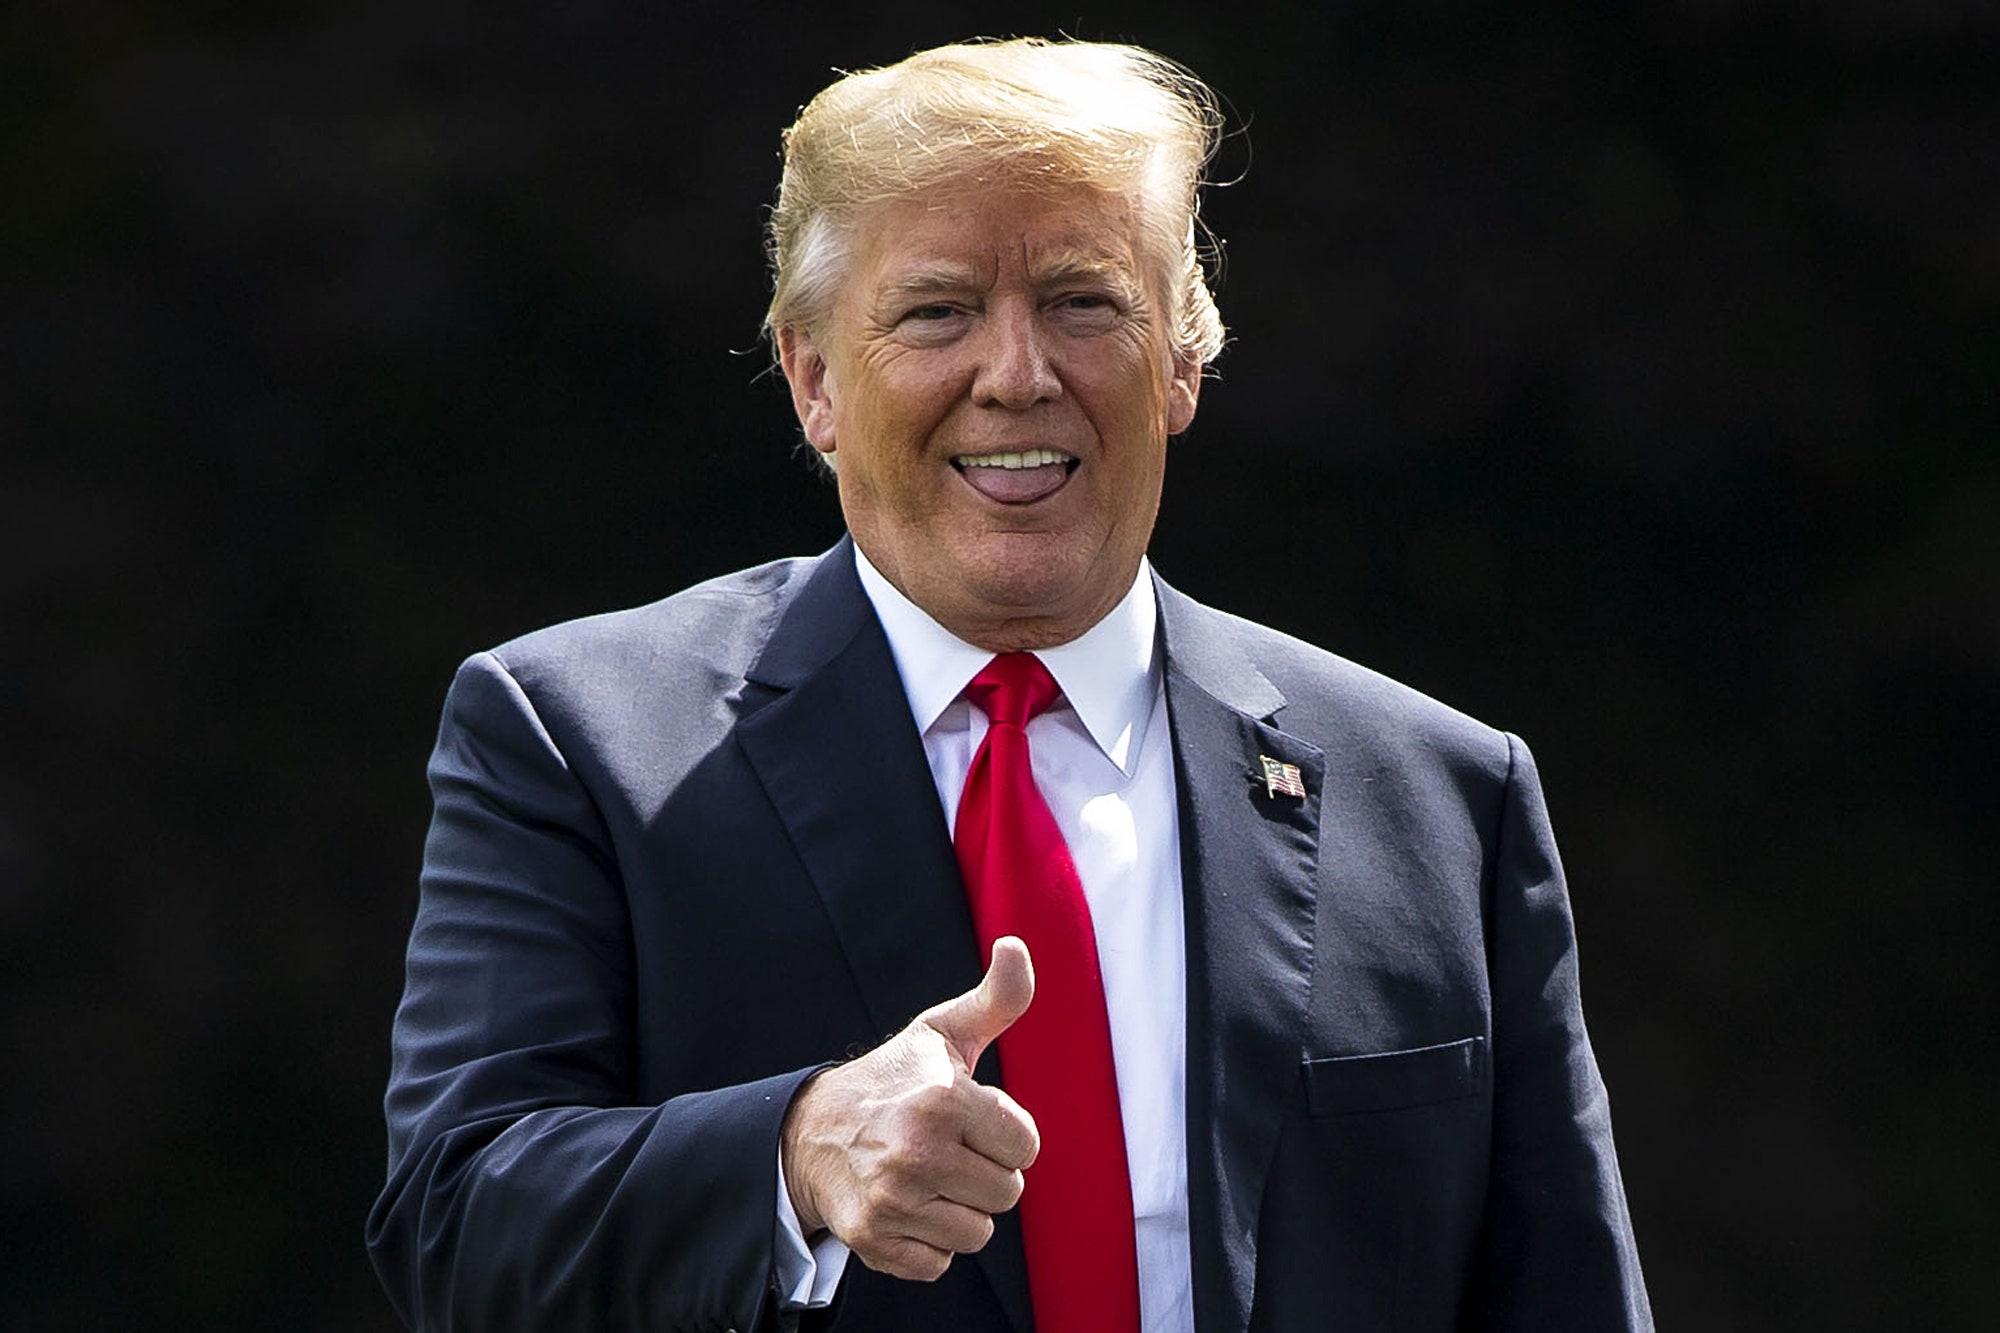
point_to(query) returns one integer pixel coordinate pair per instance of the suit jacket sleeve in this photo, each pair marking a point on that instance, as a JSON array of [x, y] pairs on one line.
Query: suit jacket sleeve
[[1558, 1252], [525, 1191]]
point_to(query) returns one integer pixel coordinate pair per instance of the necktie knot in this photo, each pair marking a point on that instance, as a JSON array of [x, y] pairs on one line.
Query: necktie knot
[[1012, 688]]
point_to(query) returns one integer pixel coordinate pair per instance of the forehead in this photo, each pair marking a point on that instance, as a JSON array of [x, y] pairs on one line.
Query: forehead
[[977, 230]]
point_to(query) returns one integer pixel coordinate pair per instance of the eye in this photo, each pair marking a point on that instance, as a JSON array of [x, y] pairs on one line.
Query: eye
[[1087, 311], [931, 324]]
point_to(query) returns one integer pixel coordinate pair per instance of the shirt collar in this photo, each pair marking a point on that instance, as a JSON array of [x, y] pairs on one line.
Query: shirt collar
[[1109, 673]]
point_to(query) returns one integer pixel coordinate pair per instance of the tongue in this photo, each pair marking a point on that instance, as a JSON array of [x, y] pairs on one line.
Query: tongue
[[1018, 485]]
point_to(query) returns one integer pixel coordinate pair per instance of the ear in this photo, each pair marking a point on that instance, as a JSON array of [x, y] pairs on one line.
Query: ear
[[812, 394], [1182, 392]]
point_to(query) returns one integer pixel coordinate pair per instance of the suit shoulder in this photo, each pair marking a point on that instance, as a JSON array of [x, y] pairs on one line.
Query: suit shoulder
[[715, 627], [1335, 696]]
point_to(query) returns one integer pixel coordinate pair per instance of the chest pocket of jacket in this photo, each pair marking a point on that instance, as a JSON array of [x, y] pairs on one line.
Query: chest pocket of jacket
[[1395, 1080]]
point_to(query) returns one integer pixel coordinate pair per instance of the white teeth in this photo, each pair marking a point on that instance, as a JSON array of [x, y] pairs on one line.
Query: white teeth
[[1026, 458]]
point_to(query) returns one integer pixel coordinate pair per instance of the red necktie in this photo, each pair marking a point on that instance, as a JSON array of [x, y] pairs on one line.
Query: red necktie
[[1076, 1213]]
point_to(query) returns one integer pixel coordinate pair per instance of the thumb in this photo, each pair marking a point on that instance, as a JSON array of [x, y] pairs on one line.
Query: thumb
[[971, 1021]]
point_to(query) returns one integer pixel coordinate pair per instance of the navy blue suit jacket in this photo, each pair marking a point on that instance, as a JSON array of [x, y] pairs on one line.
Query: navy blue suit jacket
[[683, 855]]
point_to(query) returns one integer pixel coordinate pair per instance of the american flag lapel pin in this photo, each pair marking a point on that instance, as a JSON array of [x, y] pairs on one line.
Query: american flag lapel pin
[[1281, 779]]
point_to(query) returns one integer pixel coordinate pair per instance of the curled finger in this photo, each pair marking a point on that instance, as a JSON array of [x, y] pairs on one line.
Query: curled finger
[[997, 1128]]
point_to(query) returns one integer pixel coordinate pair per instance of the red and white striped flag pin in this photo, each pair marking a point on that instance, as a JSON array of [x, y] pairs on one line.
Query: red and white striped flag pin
[[1281, 779]]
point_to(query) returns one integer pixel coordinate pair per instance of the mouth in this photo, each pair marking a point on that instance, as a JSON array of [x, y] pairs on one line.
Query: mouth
[[1017, 478]]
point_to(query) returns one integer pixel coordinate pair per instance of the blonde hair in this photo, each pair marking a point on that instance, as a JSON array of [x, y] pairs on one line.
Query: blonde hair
[[1043, 115]]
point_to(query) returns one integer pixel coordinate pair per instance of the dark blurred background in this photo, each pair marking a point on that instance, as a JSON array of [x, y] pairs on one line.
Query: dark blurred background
[[1622, 373]]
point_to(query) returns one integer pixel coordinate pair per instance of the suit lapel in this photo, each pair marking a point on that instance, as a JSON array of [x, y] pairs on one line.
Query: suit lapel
[[1248, 862], [827, 728]]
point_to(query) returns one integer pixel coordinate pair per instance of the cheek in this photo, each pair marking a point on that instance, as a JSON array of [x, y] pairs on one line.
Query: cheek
[[1132, 404], [905, 397]]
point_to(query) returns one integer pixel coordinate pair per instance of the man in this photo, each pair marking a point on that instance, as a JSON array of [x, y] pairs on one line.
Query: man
[[729, 900]]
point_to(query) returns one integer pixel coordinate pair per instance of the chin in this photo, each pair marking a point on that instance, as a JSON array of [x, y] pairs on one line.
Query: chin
[[1021, 569], [1042, 592]]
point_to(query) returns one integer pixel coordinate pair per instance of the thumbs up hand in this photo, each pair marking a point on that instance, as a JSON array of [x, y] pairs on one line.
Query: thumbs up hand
[[901, 1154]]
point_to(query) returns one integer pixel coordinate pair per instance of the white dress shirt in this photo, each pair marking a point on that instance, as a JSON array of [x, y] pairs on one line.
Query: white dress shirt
[[1103, 761]]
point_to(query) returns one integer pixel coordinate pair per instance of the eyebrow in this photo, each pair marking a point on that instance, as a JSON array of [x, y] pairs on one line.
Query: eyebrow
[[1054, 269], [1067, 266], [932, 280]]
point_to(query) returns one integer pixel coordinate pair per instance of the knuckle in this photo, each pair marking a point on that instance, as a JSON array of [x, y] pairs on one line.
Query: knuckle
[[909, 1260], [933, 1103], [978, 1234], [881, 1198], [1031, 1145], [877, 1251], [865, 1239], [920, 1148]]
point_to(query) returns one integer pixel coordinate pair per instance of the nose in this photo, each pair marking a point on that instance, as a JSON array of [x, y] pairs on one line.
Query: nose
[[1015, 369]]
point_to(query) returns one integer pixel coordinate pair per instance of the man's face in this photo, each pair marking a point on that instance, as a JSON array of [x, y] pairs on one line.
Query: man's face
[[996, 386]]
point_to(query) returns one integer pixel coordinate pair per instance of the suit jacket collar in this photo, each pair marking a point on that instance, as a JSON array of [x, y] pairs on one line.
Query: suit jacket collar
[[828, 730]]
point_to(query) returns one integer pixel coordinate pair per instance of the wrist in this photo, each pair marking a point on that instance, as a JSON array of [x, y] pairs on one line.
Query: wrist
[[791, 1151]]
